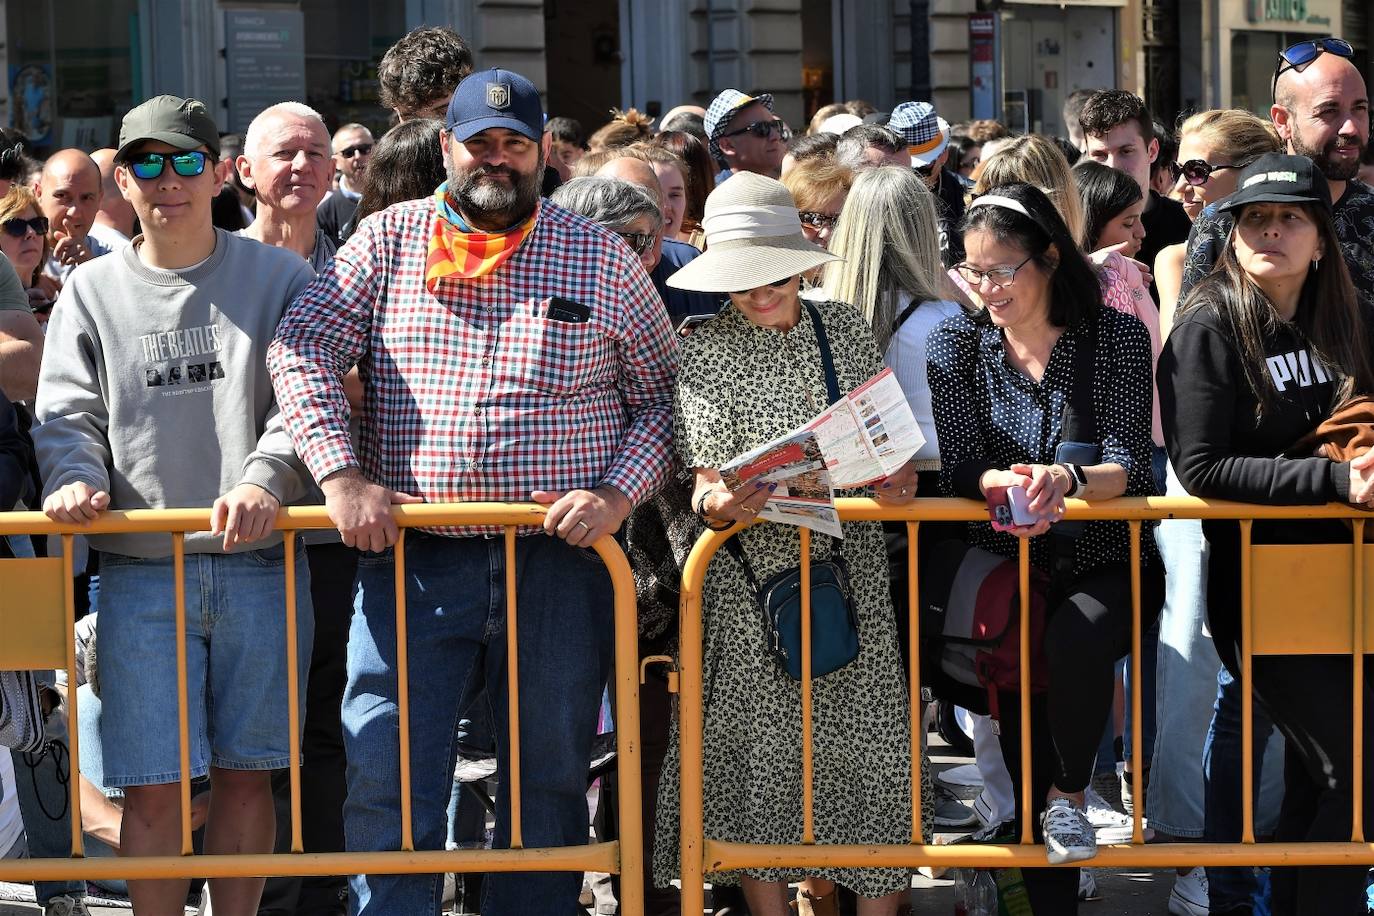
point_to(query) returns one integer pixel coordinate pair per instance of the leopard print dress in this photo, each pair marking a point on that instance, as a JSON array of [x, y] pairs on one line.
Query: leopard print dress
[[740, 385]]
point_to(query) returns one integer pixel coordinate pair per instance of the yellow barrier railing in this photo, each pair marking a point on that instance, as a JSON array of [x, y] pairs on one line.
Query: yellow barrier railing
[[1333, 577], [37, 616]]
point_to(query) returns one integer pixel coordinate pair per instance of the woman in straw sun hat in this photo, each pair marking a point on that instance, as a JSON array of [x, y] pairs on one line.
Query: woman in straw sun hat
[[747, 376]]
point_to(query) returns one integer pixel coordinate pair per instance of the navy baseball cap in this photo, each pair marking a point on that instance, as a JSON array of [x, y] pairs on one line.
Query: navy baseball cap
[[495, 98]]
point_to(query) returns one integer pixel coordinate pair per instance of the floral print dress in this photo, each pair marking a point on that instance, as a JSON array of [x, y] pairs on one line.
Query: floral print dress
[[739, 386]]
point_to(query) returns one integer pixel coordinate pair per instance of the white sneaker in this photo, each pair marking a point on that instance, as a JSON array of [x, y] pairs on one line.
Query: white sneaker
[[1111, 825], [65, 906], [1068, 835], [1087, 885], [1189, 896]]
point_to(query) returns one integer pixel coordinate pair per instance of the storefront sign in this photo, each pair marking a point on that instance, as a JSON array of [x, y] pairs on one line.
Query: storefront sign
[[265, 51], [1299, 12], [983, 57]]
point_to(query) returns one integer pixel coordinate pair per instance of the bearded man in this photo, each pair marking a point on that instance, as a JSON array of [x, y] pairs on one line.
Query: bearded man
[[1321, 111], [510, 351]]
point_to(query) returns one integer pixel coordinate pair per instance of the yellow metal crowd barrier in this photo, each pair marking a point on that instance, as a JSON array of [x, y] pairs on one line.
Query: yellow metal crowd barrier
[[36, 621], [1275, 579]]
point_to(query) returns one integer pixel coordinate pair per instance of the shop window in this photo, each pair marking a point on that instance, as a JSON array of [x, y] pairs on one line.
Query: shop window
[[344, 43], [71, 71], [1254, 57]]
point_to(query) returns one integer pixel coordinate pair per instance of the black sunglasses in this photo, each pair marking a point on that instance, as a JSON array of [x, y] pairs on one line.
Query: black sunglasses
[[1196, 171], [762, 129], [18, 228], [775, 284], [363, 148], [147, 166], [639, 242], [1297, 56], [817, 220]]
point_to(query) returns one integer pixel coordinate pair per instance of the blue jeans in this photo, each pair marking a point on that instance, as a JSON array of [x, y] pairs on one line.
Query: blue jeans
[[1234, 886], [44, 805], [456, 624], [93, 768], [236, 664]]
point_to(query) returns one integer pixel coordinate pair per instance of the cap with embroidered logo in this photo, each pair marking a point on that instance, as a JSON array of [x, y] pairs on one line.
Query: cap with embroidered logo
[[495, 98], [1276, 178]]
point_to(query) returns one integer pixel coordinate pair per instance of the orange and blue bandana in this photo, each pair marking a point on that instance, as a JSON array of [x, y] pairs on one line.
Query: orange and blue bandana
[[454, 252]]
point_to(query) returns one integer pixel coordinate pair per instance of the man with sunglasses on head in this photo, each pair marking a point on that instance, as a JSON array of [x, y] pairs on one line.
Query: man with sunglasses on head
[[352, 148], [511, 351], [154, 394], [744, 135], [1321, 111]]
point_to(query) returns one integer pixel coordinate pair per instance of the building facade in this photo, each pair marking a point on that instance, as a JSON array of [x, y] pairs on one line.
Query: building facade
[[74, 66]]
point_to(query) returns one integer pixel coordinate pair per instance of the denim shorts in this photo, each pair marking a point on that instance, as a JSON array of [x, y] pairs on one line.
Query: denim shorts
[[235, 663]]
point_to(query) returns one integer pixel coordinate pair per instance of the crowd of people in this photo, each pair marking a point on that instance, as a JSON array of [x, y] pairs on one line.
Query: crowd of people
[[489, 304]]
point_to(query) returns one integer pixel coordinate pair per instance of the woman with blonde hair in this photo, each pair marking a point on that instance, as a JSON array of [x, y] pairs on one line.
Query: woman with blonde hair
[[1213, 146], [1033, 159], [819, 186], [24, 240]]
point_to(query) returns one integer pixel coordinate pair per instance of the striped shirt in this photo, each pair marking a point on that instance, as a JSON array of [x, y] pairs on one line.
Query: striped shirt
[[474, 393]]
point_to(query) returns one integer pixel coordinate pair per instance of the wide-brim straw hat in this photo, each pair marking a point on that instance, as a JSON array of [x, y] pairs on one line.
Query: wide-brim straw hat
[[753, 238]]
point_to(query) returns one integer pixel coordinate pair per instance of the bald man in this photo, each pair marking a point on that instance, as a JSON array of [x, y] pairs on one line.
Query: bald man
[[115, 220], [668, 254], [68, 192], [1321, 111], [288, 164]]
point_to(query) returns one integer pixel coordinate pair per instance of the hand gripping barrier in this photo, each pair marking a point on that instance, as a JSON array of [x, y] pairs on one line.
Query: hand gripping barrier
[[1274, 580], [36, 621]]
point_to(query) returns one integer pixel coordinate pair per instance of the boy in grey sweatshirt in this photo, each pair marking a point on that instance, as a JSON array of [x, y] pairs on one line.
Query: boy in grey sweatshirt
[[154, 393]]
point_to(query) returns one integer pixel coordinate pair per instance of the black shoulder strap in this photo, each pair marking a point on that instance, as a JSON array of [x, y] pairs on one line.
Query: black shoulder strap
[[832, 384], [1080, 421]]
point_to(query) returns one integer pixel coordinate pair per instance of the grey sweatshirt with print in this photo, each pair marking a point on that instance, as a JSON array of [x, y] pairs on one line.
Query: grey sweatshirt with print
[[154, 385]]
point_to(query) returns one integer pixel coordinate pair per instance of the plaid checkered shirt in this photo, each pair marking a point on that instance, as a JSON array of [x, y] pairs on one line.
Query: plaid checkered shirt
[[475, 394]]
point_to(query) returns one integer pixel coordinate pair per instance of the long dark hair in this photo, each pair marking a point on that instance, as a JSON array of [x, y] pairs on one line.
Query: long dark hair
[[1105, 192], [407, 164], [1329, 316], [1075, 291]]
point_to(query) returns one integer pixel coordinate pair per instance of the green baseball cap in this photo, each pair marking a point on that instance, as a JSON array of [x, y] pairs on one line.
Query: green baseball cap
[[183, 123]]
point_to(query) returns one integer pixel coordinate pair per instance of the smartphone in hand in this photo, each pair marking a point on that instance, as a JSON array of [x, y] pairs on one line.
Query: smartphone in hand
[[1009, 508]]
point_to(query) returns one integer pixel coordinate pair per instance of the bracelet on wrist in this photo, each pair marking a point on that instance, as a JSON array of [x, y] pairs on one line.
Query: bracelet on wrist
[[700, 509]]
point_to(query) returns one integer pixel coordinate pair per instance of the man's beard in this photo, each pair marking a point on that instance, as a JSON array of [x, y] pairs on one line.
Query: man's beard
[[489, 204], [1334, 168]]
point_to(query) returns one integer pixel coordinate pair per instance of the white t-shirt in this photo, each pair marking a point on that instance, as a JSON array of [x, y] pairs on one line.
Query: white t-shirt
[[906, 356], [11, 823]]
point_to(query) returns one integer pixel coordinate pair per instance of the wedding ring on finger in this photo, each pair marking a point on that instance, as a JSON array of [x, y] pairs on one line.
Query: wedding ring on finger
[[584, 525]]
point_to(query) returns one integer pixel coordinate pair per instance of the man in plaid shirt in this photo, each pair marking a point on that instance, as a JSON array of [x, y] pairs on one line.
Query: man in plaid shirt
[[510, 350]]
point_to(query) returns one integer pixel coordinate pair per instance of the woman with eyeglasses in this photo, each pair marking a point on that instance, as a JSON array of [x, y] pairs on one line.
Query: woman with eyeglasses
[[23, 239], [1236, 417], [1213, 146], [624, 208], [749, 375], [1001, 378], [819, 186]]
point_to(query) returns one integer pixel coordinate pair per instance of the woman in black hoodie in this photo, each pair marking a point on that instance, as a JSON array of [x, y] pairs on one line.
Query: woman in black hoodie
[[1264, 348]]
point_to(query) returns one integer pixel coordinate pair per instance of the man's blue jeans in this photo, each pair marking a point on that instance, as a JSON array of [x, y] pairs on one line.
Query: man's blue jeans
[[456, 625]]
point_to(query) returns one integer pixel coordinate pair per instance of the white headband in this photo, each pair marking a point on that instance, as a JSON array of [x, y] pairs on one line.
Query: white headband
[[997, 200], [750, 222]]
